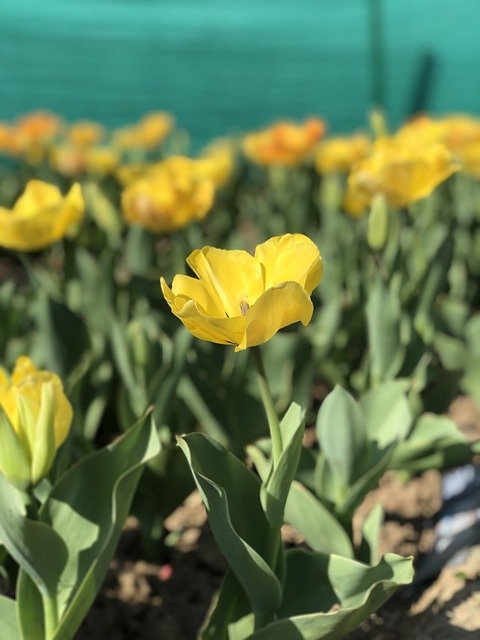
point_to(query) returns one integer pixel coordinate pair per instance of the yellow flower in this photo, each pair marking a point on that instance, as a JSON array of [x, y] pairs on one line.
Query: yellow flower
[[147, 134], [34, 132], [101, 160], [402, 173], [171, 195], [128, 173], [85, 133], [421, 131], [243, 300], [284, 144], [35, 418], [40, 217], [339, 154], [217, 161], [68, 160]]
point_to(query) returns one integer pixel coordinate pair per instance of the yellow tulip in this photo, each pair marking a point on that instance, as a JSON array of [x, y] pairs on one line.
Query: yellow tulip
[[68, 160], [40, 217], [401, 173], [284, 144], [243, 300], [35, 418], [101, 160], [337, 155], [147, 134], [8, 140], [217, 161], [85, 133], [34, 132], [172, 194]]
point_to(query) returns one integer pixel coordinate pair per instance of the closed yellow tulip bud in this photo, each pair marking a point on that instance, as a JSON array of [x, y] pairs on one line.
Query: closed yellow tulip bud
[[35, 418], [40, 217], [243, 300]]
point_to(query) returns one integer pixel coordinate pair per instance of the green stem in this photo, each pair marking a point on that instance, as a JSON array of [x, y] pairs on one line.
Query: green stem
[[50, 611], [269, 405]]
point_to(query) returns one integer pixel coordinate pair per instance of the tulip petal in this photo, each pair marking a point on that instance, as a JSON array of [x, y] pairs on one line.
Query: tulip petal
[[219, 330], [195, 289], [232, 277], [37, 195], [291, 257], [278, 307]]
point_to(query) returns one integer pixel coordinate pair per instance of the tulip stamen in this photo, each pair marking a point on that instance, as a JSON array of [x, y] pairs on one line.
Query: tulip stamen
[[244, 306]]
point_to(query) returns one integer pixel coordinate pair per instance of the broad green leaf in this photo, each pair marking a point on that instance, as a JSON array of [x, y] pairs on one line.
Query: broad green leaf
[[383, 314], [341, 434], [231, 494], [39, 551], [8, 620], [451, 351], [88, 508], [275, 489], [229, 605], [316, 582], [387, 414], [321, 530], [371, 534]]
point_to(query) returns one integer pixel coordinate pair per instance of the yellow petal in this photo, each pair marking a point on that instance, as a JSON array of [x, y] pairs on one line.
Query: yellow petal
[[220, 330], [290, 258], [230, 277], [37, 196], [278, 307]]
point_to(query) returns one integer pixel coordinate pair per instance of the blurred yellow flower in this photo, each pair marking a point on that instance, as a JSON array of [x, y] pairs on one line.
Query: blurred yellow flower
[[35, 418], [147, 134], [101, 160], [40, 216], [217, 161], [8, 140], [402, 173], [68, 160], [171, 195], [243, 300], [128, 173], [337, 155], [285, 143], [85, 133], [34, 132]]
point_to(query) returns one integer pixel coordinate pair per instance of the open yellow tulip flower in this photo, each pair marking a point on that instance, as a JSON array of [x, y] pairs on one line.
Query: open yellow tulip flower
[[401, 173], [284, 144], [40, 217], [172, 194], [243, 300], [85, 133], [35, 418], [337, 155]]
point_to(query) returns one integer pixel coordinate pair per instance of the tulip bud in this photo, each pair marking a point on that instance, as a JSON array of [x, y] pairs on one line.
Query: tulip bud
[[35, 418], [378, 223]]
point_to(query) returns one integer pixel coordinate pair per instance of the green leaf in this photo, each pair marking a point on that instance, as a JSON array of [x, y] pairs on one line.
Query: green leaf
[[275, 488], [61, 339], [383, 313], [451, 351], [231, 494], [371, 533], [387, 414], [316, 582], [341, 434], [229, 605], [88, 508], [321, 530], [8, 619]]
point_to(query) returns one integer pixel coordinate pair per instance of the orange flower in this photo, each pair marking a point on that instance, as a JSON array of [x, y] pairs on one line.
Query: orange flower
[[147, 134], [34, 132], [284, 144], [8, 140]]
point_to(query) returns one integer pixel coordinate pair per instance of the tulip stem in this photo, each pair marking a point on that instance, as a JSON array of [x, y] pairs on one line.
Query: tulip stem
[[269, 405]]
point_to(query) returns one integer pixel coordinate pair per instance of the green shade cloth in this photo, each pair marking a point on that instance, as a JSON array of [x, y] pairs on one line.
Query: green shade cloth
[[225, 66]]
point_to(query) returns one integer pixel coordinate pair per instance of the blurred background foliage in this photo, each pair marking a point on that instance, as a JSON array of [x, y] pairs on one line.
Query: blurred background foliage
[[226, 66]]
